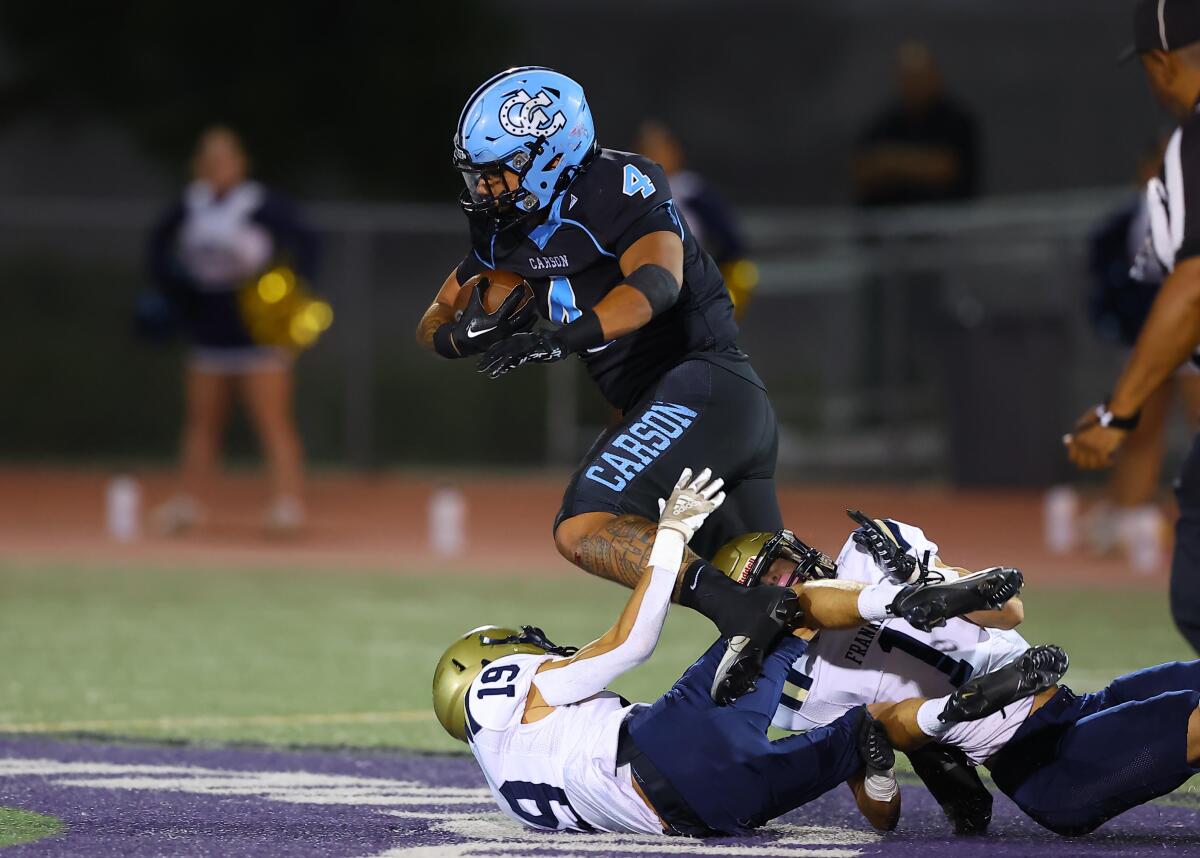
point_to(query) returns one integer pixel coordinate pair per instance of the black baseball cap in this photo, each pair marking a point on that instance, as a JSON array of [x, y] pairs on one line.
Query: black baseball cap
[[1163, 25]]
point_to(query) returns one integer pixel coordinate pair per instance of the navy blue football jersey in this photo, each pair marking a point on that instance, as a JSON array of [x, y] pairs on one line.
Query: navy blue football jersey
[[572, 260]]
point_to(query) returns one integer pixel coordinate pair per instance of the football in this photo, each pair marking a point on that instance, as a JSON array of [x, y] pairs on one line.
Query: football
[[500, 285]]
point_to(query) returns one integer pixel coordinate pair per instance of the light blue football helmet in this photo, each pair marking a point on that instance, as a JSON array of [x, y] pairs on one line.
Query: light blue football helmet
[[532, 122]]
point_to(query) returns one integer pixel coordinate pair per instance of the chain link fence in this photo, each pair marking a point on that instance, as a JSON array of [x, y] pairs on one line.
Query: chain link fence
[[911, 344]]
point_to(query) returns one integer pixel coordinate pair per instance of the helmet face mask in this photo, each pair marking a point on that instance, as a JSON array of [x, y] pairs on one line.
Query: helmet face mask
[[466, 657], [497, 187], [811, 564], [521, 138], [749, 558]]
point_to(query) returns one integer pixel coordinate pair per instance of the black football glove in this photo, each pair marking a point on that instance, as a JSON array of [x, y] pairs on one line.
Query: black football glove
[[477, 330], [520, 349]]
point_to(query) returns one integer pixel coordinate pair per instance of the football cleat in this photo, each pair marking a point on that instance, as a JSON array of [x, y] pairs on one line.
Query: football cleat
[[896, 563], [763, 615], [1037, 669], [955, 784], [927, 605], [873, 745]]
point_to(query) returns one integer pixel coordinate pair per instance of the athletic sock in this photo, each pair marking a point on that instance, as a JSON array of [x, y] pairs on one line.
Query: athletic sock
[[709, 591], [873, 601], [927, 717]]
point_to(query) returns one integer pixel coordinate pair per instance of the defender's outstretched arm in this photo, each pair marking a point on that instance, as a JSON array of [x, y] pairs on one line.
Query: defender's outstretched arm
[[632, 639]]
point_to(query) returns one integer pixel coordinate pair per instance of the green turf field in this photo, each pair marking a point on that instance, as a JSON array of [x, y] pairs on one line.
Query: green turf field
[[21, 826], [345, 659]]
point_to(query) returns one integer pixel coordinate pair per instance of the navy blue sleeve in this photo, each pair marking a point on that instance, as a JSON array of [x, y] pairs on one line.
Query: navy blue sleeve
[[165, 271], [281, 217]]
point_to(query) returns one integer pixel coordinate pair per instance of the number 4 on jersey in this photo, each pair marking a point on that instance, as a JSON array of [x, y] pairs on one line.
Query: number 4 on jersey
[[637, 182]]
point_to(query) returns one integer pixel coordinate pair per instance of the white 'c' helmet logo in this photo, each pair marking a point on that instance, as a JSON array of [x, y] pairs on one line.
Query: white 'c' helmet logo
[[530, 120]]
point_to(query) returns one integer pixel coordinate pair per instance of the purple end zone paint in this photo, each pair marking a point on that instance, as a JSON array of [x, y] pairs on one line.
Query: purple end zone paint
[[165, 801]]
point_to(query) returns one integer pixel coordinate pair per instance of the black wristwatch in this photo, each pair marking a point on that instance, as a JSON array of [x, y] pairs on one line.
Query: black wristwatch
[[1109, 420]]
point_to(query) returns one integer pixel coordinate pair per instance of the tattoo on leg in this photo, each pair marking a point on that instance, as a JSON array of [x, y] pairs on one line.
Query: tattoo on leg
[[620, 550]]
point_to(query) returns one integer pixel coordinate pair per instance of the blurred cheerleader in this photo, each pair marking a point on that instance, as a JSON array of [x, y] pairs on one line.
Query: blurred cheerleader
[[223, 233]]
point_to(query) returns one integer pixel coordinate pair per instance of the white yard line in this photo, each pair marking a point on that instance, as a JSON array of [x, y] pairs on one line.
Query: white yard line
[[395, 717]]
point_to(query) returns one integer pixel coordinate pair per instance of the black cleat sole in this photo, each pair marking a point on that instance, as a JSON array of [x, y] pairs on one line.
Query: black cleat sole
[[1038, 669], [927, 606]]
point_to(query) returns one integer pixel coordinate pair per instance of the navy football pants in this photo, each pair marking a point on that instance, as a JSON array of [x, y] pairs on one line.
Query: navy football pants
[[1080, 760], [719, 759]]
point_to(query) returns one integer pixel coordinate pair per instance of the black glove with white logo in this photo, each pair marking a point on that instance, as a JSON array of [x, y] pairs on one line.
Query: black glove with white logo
[[477, 330], [520, 349], [585, 332]]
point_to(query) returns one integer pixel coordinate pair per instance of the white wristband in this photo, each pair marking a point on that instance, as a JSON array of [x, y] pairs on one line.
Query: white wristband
[[667, 552], [881, 785]]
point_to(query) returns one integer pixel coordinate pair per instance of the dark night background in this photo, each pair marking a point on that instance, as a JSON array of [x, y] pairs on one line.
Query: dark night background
[[358, 100], [349, 107]]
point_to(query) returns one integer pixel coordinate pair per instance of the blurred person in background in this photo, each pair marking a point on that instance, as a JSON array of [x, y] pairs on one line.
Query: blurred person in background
[[1130, 517], [923, 147], [711, 219], [224, 232], [920, 149], [1167, 41]]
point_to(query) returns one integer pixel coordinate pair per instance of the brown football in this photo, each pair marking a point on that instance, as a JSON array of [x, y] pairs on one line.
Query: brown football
[[500, 284]]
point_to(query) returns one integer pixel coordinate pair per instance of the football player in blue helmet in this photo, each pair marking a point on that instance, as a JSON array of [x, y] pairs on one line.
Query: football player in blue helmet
[[622, 283], [520, 140]]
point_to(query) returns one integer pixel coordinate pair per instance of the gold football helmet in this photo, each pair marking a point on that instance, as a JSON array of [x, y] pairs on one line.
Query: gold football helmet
[[750, 556], [470, 654]]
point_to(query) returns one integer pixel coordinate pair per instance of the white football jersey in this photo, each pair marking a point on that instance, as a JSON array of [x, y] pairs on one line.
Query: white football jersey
[[559, 773], [887, 661]]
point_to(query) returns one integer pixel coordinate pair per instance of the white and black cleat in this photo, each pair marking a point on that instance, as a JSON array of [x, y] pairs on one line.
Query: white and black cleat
[[1037, 669], [927, 605], [955, 785], [772, 612]]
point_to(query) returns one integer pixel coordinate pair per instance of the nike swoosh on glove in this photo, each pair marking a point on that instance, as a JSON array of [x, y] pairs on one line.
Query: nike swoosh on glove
[[477, 330]]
